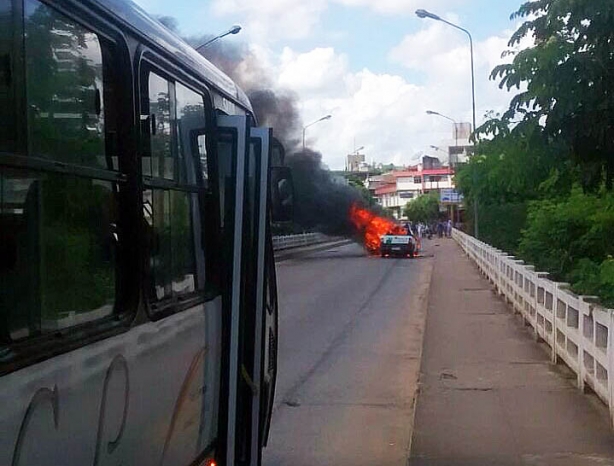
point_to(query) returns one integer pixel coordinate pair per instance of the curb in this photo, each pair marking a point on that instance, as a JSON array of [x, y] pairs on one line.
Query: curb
[[423, 299]]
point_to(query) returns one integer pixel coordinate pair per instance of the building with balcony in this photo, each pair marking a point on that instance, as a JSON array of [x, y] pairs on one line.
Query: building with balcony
[[394, 189]]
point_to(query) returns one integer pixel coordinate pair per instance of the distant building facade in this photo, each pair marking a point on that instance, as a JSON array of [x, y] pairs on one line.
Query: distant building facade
[[461, 148], [394, 189], [355, 162]]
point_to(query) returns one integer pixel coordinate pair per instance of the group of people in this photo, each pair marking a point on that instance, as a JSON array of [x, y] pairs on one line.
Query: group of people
[[419, 230], [444, 228]]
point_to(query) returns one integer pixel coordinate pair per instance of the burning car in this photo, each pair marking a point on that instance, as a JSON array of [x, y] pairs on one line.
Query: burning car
[[397, 245], [381, 234]]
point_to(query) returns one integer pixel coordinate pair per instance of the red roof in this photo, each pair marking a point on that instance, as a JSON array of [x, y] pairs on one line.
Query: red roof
[[410, 172], [386, 189], [414, 171]]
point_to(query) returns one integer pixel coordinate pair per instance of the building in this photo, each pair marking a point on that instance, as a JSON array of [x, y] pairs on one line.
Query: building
[[394, 189], [461, 147], [354, 162]]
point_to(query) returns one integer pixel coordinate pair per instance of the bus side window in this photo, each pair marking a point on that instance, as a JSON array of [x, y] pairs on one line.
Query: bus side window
[[226, 147], [172, 209], [8, 81], [60, 229], [65, 86]]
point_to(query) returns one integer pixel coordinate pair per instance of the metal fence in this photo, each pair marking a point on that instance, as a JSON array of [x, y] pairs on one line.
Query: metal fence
[[293, 241], [576, 328]]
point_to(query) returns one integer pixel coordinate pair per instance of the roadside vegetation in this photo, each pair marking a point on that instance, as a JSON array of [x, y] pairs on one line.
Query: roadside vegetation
[[543, 171], [424, 209]]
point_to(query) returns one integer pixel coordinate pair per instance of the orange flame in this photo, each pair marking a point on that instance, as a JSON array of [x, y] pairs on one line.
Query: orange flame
[[373, 227]]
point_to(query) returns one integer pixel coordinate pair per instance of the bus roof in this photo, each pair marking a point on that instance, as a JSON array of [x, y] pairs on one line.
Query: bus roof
[[139, 20]]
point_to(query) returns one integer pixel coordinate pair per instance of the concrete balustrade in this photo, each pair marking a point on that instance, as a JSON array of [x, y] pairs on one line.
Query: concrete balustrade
[[578, 331], [293, 241]]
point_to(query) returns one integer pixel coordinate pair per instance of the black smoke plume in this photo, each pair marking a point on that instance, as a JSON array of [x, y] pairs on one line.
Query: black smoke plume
[[322, 202]]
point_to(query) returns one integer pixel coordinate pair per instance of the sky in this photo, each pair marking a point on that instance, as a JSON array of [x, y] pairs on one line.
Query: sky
[[371, 64]]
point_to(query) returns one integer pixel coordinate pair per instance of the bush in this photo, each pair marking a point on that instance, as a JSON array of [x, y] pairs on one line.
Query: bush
[[571, 239], [560, 233], [423, 209], [501, 225], [590, 278]]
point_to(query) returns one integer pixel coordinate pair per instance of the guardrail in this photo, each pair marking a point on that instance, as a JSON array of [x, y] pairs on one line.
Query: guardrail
[[576, 328], [293, 241]]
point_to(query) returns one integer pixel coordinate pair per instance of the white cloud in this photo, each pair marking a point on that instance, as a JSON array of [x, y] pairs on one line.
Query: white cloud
[[390, 7], [369, 109], [269, 20], [448, 67], [272, 20], [314, 71], [386, 113]]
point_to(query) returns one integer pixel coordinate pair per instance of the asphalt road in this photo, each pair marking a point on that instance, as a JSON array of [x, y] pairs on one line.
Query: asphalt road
[[351, 331]]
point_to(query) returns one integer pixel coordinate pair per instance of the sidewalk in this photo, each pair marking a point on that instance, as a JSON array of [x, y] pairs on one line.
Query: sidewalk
[[488, 393]]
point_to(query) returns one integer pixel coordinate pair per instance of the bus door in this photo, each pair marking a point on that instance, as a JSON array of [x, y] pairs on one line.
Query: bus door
[[271, 311], [255, 219], [232, 145]]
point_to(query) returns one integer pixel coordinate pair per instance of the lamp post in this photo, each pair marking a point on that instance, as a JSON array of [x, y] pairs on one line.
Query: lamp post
[[430, 112], [233, 30], [436, 148], [426, 14], [327, 117]]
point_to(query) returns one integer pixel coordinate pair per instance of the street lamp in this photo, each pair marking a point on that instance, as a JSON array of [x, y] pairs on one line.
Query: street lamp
[[327, 117], [233, 30], [430, 112], [358, 150], [426, 14]]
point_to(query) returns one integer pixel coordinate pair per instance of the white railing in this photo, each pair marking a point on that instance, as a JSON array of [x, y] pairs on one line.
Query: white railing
[[577, 329], [293, 241]]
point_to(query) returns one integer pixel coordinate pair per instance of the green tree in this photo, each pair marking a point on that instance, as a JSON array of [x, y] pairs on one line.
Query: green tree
[[512, 167], [559, 129], [569, 78], [423, 209]]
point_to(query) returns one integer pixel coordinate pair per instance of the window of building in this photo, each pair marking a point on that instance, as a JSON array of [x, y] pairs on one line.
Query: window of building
[[417, 179]]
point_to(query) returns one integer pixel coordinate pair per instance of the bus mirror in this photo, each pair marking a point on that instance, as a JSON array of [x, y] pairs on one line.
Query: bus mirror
[[282, 194]]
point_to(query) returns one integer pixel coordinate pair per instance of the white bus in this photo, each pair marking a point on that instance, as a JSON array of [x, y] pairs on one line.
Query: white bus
[[138, 304]]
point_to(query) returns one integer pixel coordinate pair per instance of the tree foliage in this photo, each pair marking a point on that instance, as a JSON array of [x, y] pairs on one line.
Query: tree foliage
[[571, 238], [545, 167], [424, 209], [569, 79]]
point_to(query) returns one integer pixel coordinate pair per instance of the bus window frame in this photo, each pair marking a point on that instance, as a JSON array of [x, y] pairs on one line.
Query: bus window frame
[[18, 354], [148, 61]]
